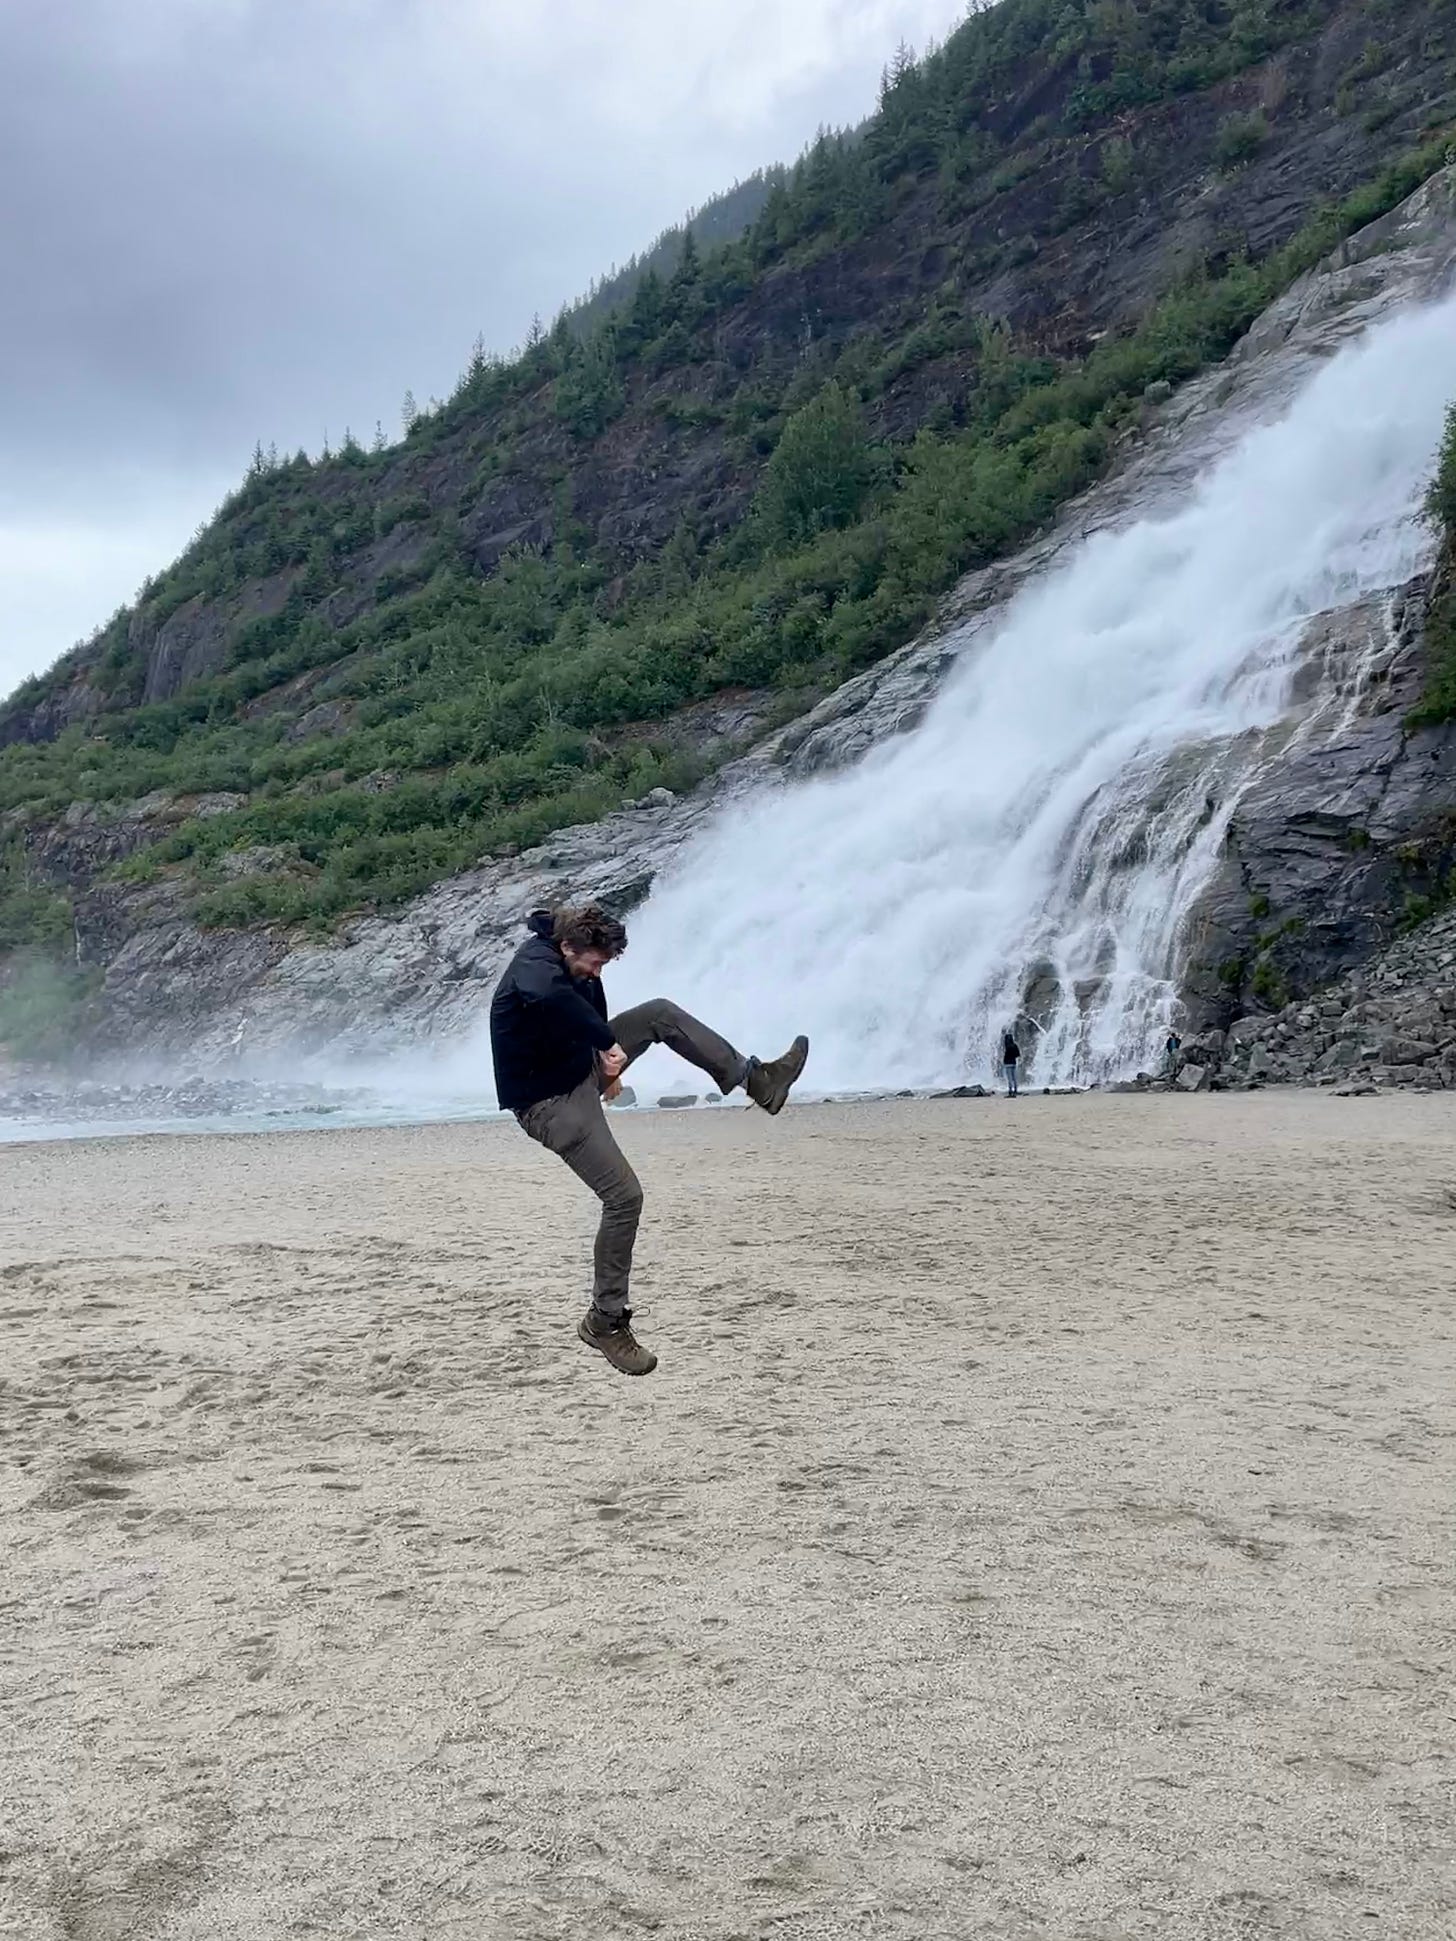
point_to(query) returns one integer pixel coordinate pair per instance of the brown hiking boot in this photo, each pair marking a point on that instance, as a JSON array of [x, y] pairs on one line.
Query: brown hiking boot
[[612, 1336], [769, 1085]]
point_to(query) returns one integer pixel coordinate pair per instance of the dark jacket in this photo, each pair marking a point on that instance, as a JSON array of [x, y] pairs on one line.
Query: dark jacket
[[1010, 1051], [546, 1026]]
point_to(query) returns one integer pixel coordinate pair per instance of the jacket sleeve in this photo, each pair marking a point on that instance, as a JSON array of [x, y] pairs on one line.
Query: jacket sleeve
[[556, 993]]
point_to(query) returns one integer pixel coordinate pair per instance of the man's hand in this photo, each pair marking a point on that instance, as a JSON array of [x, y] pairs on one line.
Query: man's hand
[[613, 1062]]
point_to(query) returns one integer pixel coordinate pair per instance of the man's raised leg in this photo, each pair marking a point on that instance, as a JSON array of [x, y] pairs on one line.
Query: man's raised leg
[[661, 1022]]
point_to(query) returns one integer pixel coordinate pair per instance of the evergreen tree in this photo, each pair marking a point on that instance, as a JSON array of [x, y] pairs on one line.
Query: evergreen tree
[[647, 314], [893, 78], [590, 392], [822, 470], [684, 302], [561, 343], [689, 263]]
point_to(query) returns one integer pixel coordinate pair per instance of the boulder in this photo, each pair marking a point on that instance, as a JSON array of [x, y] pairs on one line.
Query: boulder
[[676, 1104], [1192, 1078], [624, 1098], [1410, 1051], [1206, 1049], [1041, 992], [1339, 1058]]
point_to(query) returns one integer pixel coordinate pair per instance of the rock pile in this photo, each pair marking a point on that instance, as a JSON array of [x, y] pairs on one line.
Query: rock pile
[[1390, 1024]]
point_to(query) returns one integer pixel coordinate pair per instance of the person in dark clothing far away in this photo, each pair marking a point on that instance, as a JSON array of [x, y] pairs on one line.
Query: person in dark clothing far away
[[1172, 1054], [558, 1056], [1010, 1061]]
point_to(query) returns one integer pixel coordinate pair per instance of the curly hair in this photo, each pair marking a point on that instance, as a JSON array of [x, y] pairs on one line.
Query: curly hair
[[590, 928]]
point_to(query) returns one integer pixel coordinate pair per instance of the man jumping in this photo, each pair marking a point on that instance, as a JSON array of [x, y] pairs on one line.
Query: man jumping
[[557, 1056]]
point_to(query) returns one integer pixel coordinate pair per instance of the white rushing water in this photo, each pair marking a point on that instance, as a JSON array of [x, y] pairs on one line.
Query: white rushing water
[[1063, 803]]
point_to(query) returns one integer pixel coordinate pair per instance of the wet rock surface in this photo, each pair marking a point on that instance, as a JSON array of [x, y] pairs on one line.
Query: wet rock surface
[[1336, 840]]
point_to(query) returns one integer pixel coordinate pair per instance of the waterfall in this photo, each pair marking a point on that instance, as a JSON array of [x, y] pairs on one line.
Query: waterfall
[[1035, 846]]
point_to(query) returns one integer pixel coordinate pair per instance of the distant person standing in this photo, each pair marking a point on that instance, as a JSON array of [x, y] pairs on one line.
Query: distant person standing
[[558, 1055], [1010, 1063], [1172, 1054]]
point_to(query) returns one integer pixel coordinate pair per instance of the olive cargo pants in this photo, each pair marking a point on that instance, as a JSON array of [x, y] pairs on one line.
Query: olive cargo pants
[[575, 1128]]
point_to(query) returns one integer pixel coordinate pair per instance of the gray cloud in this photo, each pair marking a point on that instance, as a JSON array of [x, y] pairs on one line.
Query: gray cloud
[[233, 219]]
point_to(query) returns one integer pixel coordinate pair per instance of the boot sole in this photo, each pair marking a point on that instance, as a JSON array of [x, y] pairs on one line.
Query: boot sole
[[592, 1341]]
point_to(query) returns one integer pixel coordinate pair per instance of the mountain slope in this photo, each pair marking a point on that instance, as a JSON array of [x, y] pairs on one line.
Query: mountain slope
[[750, 483], [1322, 854]]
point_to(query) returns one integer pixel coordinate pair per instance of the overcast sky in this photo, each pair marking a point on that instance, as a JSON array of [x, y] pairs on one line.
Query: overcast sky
[[225, 220]]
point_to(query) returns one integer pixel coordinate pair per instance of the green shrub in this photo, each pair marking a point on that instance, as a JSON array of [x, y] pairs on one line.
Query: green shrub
[[1269, 986], [1119, 166], [822, 471], [1239, 140]]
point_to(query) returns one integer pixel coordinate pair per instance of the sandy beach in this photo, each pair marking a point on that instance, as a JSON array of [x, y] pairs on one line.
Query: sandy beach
[[1041, 1525]]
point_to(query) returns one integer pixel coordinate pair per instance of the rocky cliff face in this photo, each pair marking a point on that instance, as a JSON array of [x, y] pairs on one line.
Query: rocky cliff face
[[1335, 846], [1320, 860]]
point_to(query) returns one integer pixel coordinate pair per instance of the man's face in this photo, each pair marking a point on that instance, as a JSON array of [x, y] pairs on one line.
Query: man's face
[[585, 963]]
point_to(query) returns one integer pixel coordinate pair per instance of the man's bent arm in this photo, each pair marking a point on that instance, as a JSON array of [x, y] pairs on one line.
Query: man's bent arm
[[566, 1005]]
